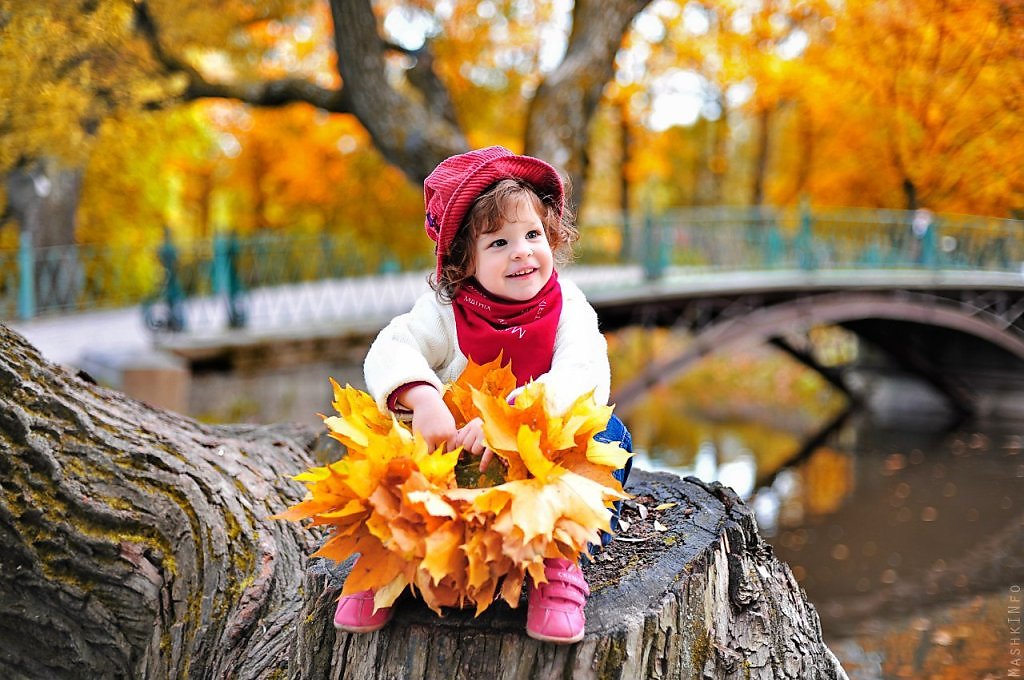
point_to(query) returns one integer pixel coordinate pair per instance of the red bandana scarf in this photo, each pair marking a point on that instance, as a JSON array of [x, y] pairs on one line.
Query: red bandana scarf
[[523, 332]]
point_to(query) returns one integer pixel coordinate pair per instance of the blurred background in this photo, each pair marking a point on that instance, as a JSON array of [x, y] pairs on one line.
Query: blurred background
[[214, 207]]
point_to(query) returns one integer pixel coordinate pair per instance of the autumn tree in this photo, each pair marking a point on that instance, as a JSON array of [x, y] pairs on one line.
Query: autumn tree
[[731, 71], [918, 104], [876, 104], [94, 68], [114, 57], [863, 104], [74, 77]]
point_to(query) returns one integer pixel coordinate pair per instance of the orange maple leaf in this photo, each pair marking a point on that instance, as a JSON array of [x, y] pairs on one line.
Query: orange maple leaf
[[491, 378]]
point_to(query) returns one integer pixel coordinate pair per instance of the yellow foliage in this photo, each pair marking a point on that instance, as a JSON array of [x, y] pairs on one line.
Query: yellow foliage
[[398, 505]]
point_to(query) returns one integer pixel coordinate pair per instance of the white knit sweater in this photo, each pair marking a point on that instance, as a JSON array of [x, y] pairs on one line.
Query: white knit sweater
[[422, 345]]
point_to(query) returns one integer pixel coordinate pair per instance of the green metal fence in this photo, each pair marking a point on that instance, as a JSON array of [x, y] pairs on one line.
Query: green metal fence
[[58, 280], [798, 239], [64, 279]]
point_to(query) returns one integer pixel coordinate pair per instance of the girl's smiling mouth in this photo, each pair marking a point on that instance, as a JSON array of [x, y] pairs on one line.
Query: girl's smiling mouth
[[522, 272]]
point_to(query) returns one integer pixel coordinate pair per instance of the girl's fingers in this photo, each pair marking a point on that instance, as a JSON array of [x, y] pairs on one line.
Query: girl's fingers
[[485, 460], [471, 437], [463, 439]]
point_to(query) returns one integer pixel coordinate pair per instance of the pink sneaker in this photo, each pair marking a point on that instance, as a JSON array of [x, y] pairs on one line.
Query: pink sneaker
[[555, 609], [355, 614]]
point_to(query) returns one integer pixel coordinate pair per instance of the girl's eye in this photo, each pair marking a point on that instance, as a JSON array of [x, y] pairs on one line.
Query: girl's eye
[[534, 233], [498, 243]]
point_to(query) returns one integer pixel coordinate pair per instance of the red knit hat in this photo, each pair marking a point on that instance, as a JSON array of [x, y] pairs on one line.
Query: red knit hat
[[453, 186]]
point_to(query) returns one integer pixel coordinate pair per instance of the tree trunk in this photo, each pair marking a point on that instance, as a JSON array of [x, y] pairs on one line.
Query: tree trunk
[[709, 180], [44, 198], [625, 188], [910, 194], [805, 163], [763, 132], [702, 599], [558, 125], [134, 544]]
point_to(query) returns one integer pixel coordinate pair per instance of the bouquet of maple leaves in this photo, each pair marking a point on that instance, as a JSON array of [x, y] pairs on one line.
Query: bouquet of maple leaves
[[423, 519]]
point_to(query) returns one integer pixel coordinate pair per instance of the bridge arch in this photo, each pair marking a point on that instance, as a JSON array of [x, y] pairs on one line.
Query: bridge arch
[[758, 326]]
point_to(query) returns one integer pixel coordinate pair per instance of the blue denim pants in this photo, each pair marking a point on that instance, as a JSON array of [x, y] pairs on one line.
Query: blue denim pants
[[617, 433]]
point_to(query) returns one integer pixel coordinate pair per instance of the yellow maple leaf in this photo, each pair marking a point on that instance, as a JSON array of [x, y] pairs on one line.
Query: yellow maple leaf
[[438, 466], [431, 503], [357, 406], [607, 454], [540, 467]]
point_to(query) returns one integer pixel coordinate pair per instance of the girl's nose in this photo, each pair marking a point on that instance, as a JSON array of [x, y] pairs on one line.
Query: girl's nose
[[522, 249]]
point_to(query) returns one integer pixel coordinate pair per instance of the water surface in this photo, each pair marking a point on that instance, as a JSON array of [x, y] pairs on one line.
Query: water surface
[[907, 537]]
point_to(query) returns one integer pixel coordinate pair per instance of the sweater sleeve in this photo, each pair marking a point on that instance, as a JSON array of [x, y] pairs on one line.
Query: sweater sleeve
[[580, 360], [412, 348]]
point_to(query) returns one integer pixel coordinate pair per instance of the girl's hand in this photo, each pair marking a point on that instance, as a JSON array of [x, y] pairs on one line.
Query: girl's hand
[[471, 438], [430, 417]]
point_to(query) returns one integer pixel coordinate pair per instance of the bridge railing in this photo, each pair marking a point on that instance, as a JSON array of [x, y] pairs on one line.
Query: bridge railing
[[174, 280], [772, 238], [238, 281], [61, 279]]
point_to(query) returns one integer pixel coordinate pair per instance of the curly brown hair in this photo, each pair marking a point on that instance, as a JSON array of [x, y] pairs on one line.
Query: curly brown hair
[[486, 216]]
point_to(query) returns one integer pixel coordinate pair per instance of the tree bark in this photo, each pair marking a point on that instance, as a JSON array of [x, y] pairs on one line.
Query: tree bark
[[134, 544]]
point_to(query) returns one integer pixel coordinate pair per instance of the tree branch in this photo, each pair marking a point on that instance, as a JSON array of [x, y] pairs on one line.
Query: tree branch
[[413, 135], [423, 77], [266, 93], [136, 543]]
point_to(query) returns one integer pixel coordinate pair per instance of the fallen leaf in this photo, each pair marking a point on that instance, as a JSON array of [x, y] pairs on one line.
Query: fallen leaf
[[658, 526], [665, 506]]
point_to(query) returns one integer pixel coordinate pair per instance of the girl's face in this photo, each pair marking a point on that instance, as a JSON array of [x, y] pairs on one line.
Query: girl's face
[[515, 261]]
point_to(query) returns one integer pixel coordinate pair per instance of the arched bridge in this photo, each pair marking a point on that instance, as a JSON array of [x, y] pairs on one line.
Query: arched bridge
[[941, 297], [913, 316]]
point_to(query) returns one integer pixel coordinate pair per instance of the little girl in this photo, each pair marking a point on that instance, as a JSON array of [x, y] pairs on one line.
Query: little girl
[[500, 224]]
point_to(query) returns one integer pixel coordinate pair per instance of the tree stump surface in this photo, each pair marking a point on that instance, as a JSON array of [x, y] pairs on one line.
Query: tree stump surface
[[698, 597], [134, 543]]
